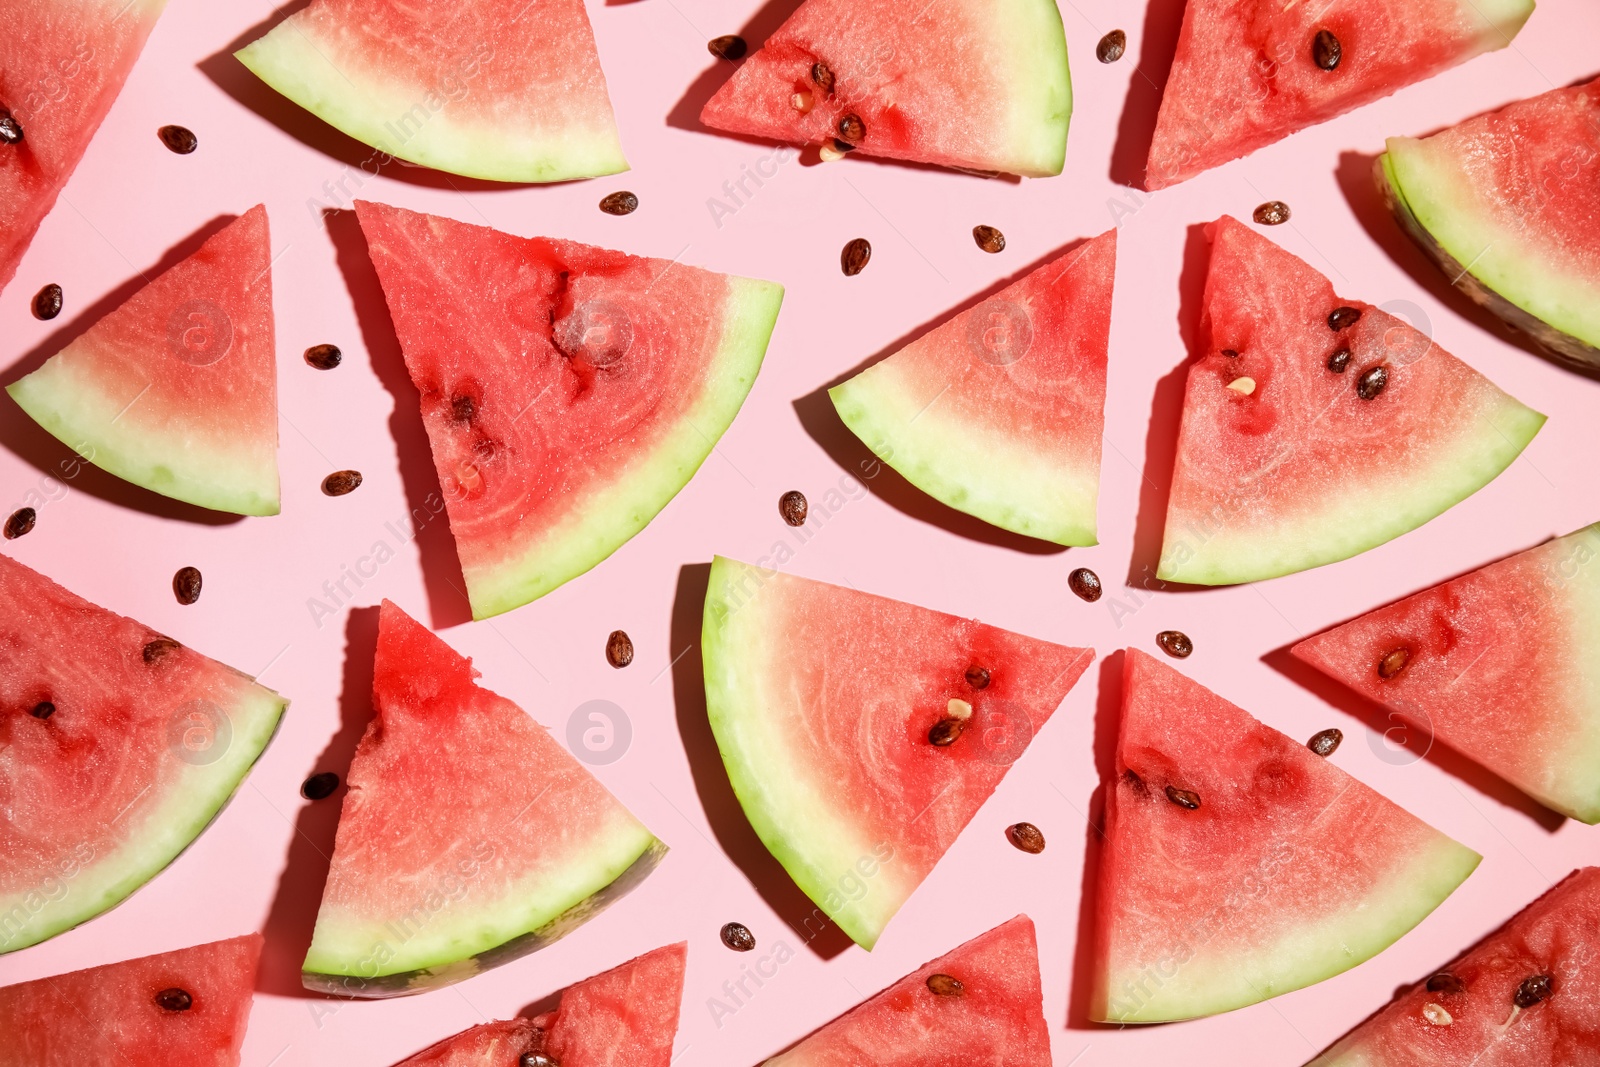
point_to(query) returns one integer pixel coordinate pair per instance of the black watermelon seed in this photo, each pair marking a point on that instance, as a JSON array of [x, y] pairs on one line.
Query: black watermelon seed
[[341, 482], [21, 522], [10, 128], [1323, 742], [942, 985], [853, 260], [157, 650], [1393, 662], [324, 357], [1372, 382], [843, 146], [47, 302], [462, 408], [1111, 47], [1533, 990], [174, 1000], [1184, 798], [1026, 836], [1342, 317], [1326, 50], [851, 129], [1445, 982], [792, 505], [43, 710], [1272, 213], [186, 585], [319, 786], [822, 77], [536, 1059], [1339, 361], [729, 46], [1175, 643], [945, 732], [1231, 353], [989, 239], [738, 937], [179, 139], [1085, 584], [621, 203], [978, 677], [619, 649]]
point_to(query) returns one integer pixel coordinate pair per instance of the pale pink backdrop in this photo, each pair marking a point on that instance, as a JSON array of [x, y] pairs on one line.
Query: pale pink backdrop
[[260, 866]]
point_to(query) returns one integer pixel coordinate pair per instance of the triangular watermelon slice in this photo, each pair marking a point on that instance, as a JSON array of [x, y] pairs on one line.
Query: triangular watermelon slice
[[508, 90], [1316, 427], [976, 84], [62, 64], [626, 1017], [979, 1003], [1251, 72], [1498, 664], [569, 392], [188, 1007], [1239, 865], [118, 746], [862, 734], [468, 837], [177, 389], [1526, 996], [998, 412]]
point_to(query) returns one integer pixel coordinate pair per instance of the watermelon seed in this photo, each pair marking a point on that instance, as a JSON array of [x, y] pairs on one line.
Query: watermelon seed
[[1135, 783], [1326, 50], [156, 650], [1085, 584], [47, 302], [462, 408], [319, 786], [792, 505], [619, 649], [10, 128], [1184, 798], [1175, 643], [1372, 382], [1532, 991], [179, 139], [324, 357], [978, 677], [1339, 361], [851, 129], [989, 239], [186, 585], [536, 1059], [1231, 353], [853, 260], [1324, 742], [1111, 47], [1342, 317], [174, 1000], [802, 102], [822, 77], [958, 709], [1272, 213], [43, 710], [1394, 662], [1244, 386], [945, 732], [729, 46], [831, 153], [943, 985], [1436, 1014], [1026, 836], [738, 937], [621, 203], [842, 147], [1445, 982], [20, 522], [341, 482]]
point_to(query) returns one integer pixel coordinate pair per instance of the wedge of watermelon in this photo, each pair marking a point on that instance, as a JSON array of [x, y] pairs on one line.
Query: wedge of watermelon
[[468, 838], [1251, 72], [118, 746], [626, 1017], [177, 389], [998, 411], [508, 90], [1239, 865], [1526, 996], [1498, 664], [1303, 443], [862, 734], [62, 64], [1513, 195], [976, 84], [979, 1003], [185, 1007], [569, 392]]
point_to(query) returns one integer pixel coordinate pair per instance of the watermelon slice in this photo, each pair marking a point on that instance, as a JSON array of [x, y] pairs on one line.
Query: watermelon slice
[[186, 1007], [998, 412], [976, 84], [1514, 196], [862, 734], [1251, 72], [508, 90], [1240, 865], [569, 392], [524, 844], [626, 1017], [1304, 444], [1498, 664], [118, 746], [62, 64], [1490, 1008], [177, 389], [979, 1003]]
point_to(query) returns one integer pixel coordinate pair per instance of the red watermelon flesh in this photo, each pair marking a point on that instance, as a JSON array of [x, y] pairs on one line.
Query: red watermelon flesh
[[468, 837], [118, 746], [824, 702], [1285, 461], [1479, 1022], [177, 389], [977, 84], [1498, 664], [626, 1017], [996, 1018], [998, 411], [62, 64], [111, 1014], [569, 392], [1246, 72], [1239, 865]]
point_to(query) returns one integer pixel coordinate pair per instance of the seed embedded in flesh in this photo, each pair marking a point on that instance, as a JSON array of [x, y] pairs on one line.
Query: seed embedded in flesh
[[462, 408], [1085, 584], [978, 677], [20, 522], [1533, 990], [47, 302], [1231, 353], [1373, 382], [1175, 643], [738, 937], [340, 483], [619, 203], [1323, 742], [1111, 47], [43, 710], [10, 128], [853, 260], [536, 1059], [179, 139], [822, 77], [729, 46], [851, 129], [619, 649], [802, 102], [1026, 836], [1272, 213], [1436, 1014], [989, 239], [1343, 317], [958, 709], [174, 999], [324, 357], [1326, 51], [1445, 982], [1339, 361], [1393, 662], [1184, 798], [943, 985], [156, 650], [945, 732], [792, 505], [186, 585], [1244, 386], [319, 786]]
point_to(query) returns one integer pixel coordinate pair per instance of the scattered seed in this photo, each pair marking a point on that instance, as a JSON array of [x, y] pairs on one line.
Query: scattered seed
[[324, 357], [851, 129], [179, 139], [945, 732], [20, 522], [989, 239], [1272, 213], [729, 46], [619, 649], [958, 709], [462, 408], [1231, 353], [832, 153], [1244, 386], [822, 77], [792, 505], [1445, 982], [1343, 317], [1323, 742], [536, 1059], [738, 937], [156, 650], [174, 999], [943, 985], [43, 710], [1533, 990], [978, 677], [341, 482], [186, 585], [619, 203], [853, 260], [1326, 50], [1111, 47], [1394, 662], [1175, 643], [1372, 382], [47, 302], [319, 786], [10, 128], [1026, 836], [1085, 584], [1339, 361], [1436, 1014], [802, 102], [1184, 798]]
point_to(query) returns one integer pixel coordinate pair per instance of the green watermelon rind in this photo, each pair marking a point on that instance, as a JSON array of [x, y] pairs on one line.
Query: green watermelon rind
[[167, 831], [611, 517], [1042, 111]]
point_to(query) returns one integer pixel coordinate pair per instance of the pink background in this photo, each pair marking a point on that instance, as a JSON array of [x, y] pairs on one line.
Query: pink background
[[261, 865]]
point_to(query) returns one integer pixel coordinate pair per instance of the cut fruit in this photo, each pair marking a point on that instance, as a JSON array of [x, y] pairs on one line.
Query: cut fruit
[[1490, 1008], [508, 90], [1498, 664], [862, 734], [186, 1007], [1239, 865], [976, 84], [177, 389], [62, 64], [468, 838], [1358, 428], [1515, 196], [118, 746], [979, 1003], [569, 392], [626, 1017], [998, 412], [1251, 72]]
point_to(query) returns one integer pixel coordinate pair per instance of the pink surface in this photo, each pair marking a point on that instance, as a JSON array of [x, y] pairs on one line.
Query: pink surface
[[261, 866]]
